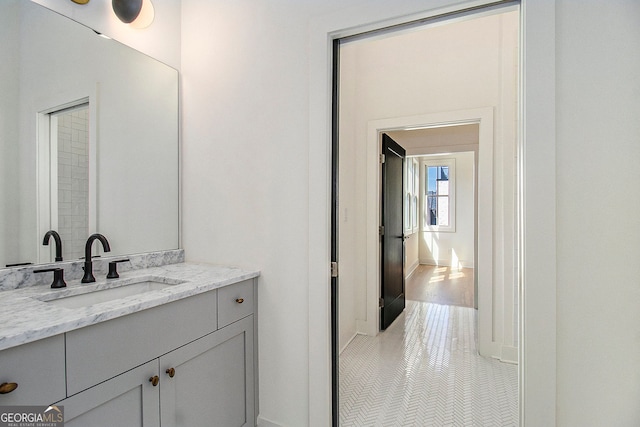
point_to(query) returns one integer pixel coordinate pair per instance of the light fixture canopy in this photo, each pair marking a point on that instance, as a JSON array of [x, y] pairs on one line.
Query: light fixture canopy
[[127, 10]]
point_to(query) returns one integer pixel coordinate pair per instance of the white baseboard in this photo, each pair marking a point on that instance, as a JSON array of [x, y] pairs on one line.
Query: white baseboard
[[366, 327], [348, 342], [412, 269], [447, 263], [509, 354], [263, 422]]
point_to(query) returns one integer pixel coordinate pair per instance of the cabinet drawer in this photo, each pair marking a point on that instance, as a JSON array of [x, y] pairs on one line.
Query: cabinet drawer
[[37, 368], [235, 302], [99, 352]]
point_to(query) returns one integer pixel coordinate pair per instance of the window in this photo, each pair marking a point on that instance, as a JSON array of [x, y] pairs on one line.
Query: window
[[412, 184], [439, 195]]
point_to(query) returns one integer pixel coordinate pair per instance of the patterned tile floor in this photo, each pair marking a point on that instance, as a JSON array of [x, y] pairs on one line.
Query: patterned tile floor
[[424, 370]]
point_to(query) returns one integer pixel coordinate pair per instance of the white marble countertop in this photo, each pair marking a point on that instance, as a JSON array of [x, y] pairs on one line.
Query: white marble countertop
[[25, 316]]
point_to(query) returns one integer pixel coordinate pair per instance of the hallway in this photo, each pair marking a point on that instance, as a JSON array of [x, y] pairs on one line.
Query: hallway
[[441, 285], [424, 370]]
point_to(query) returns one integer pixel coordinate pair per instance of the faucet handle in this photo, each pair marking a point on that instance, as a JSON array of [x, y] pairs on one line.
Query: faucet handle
[[58, 277], [113, 273]]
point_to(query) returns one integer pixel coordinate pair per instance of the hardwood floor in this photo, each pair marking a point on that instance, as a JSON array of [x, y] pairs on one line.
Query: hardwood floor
[[441, 285]]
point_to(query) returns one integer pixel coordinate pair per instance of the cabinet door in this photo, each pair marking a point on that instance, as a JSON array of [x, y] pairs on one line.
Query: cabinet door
[[129, 399], [38, 370], [213, 382]]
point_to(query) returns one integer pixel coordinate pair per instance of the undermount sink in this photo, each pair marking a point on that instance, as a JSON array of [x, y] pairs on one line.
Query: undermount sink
[[128, 288]]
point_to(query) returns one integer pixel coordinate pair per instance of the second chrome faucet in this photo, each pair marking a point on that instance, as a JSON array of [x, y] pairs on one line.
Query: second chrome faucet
[[88, 265]]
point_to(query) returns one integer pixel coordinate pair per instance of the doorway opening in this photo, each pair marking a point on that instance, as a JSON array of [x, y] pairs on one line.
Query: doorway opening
[[441, 252], [448, 92]]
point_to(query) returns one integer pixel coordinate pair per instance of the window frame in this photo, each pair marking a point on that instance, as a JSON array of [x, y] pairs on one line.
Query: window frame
[[411, 196], [440, 162]]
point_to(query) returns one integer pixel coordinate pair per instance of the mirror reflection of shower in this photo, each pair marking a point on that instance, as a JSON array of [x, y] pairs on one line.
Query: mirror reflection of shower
[[69, 192]]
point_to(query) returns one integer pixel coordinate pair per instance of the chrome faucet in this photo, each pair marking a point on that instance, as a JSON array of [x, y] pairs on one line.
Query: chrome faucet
[[88, 265], [56, 238]]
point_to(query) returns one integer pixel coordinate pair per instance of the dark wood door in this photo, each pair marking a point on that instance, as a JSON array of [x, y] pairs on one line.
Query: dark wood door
[[391, 231]]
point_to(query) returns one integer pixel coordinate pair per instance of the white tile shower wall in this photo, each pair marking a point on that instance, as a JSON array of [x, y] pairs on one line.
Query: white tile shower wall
[[73, 180]]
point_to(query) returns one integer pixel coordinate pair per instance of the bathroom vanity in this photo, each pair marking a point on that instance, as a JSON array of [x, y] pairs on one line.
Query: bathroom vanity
[[180, 350]]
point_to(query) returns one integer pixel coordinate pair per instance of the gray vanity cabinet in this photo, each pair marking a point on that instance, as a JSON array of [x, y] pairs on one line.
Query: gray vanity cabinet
[[208, 382], [205, 381], [212, 383]]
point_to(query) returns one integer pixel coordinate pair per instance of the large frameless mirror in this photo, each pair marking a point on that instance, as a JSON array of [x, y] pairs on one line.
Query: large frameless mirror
[[89, 140]]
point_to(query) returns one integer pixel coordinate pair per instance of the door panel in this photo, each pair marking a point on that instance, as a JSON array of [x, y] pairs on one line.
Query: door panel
[[392, 239]]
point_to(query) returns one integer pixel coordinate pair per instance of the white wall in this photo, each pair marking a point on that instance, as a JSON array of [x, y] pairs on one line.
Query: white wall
[[598, 203], [245, 81], [352, 265], [458, 66], [246, 177], [455, 249], [412, 254]]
